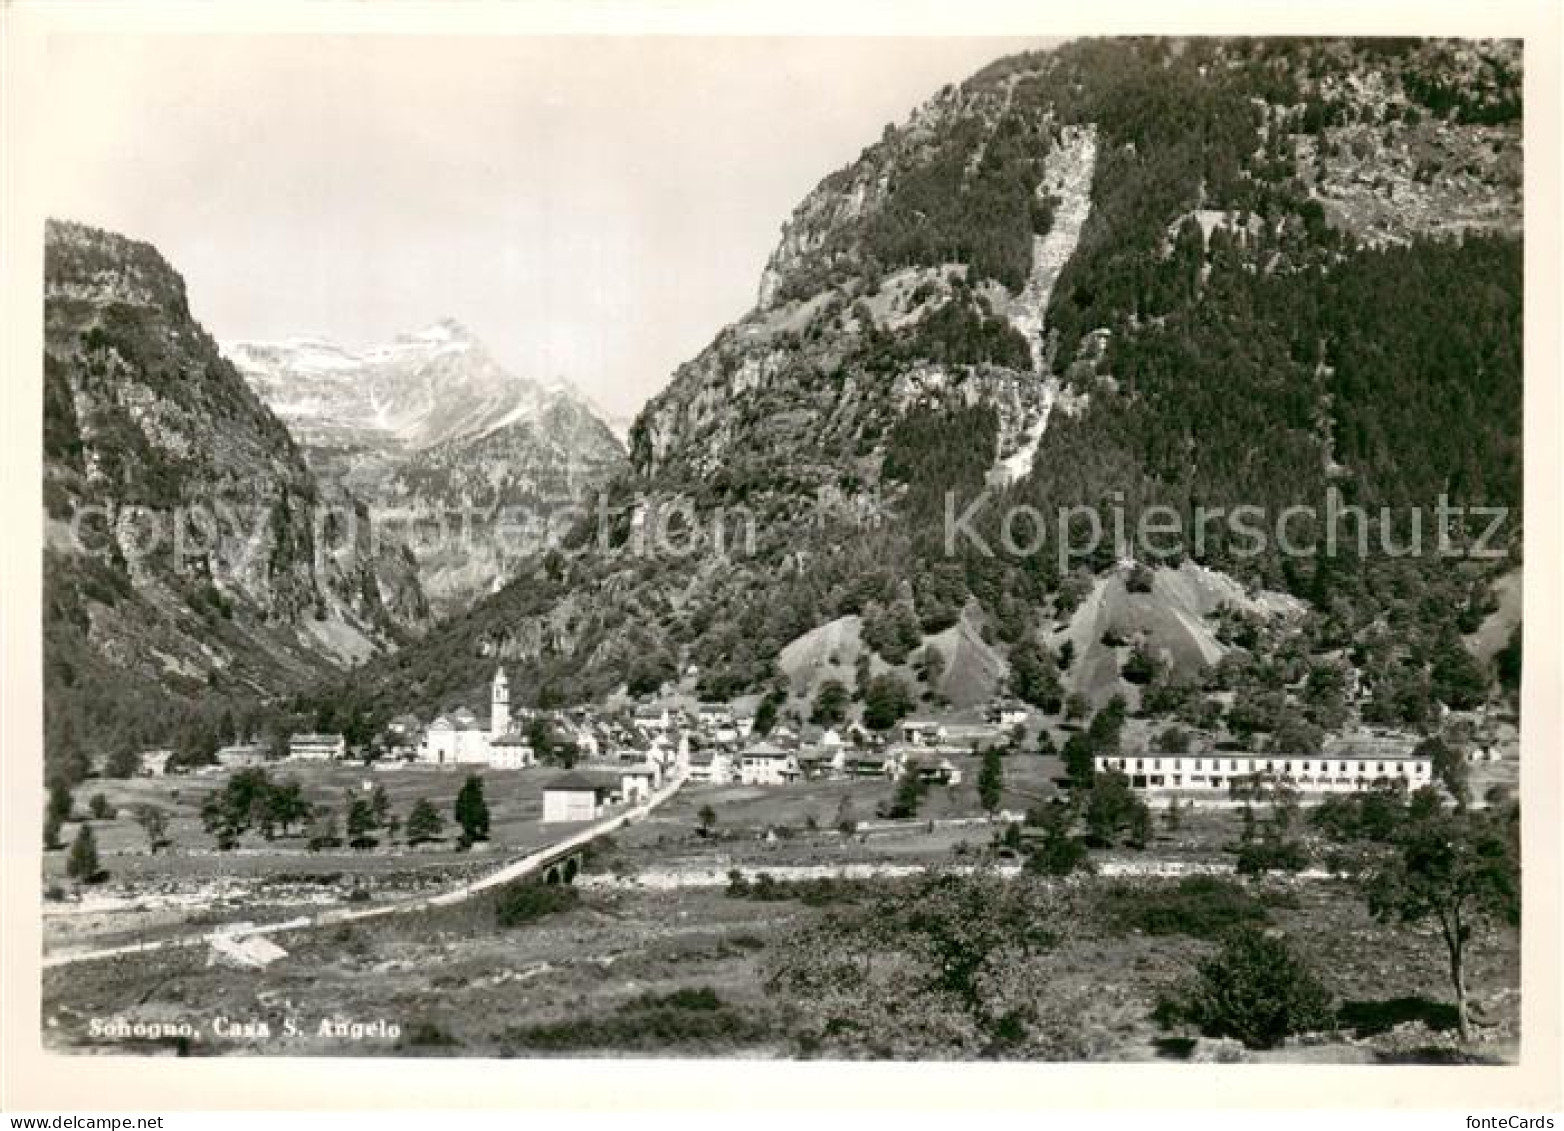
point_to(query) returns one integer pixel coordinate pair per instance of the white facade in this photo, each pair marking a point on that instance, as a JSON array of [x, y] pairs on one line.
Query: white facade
[[510, 753], [767, 765], [1309, 773], [460, 739], [636, 786], [572, 801], [653, 719], [317, 747], [153, 763], [243, 754], [715, 768], [454, 740], [922, 732]]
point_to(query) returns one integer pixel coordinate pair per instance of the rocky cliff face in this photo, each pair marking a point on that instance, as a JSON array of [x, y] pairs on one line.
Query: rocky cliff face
[[189, 548], [860, 314], [457, 458]]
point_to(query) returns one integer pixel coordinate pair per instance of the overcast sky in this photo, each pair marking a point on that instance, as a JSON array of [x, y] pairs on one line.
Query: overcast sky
[[592, 208]]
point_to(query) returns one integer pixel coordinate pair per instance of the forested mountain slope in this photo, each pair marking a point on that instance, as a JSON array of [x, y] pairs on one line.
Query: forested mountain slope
[[183, 562], [1300, 269]]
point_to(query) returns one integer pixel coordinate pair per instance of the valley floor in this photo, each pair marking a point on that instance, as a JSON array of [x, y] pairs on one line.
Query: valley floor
[[654, 955]]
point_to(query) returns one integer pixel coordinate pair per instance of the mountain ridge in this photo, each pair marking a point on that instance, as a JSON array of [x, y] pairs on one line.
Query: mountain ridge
[[183, 561], [1219, 302], [431, 430]]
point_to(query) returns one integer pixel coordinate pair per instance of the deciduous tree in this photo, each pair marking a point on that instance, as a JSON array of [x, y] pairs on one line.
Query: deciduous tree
[[1461, 870]]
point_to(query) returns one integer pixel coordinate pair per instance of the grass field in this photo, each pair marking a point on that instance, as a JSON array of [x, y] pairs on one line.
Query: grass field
[[581, 982], [149, 895], [679, 969], [514, 798]]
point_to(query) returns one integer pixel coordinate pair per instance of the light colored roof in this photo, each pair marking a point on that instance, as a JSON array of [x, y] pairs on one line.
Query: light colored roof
[[765, 750]]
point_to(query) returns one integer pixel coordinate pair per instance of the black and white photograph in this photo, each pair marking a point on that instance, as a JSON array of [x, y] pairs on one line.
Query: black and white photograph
[[848, 548]]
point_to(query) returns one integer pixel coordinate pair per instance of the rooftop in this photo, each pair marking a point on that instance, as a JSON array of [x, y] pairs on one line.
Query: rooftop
[[573, 783]]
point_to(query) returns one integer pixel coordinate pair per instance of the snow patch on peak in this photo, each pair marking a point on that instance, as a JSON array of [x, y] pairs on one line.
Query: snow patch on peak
[[446, 331], [422, 389]]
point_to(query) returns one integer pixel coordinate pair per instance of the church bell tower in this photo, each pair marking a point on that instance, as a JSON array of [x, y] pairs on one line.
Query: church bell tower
[[499, 705]]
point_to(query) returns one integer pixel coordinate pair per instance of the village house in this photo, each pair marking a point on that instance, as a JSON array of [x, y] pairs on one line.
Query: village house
[[317, 747], [511, 752], [744, 723], [652, 719], [590, 741], [933, 770], [153, 763], [1009, 713], [871, 764], [813, 763], [922, 732], [970, 737], [714, 714], [574, 797], [241, 755], [766, 763], [402, 736], [637, 783], [711, 767], [727, 734]]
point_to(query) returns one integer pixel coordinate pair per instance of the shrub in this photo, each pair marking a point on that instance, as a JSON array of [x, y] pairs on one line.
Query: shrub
[[1203, 907], [694, 1017], [1059, 854], [1271, 854], [429, 1034], [1256, 989], [82, 863], [820, 892], [529, 902]]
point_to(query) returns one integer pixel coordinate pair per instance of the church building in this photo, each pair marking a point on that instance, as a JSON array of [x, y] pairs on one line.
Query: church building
[[458, 738]]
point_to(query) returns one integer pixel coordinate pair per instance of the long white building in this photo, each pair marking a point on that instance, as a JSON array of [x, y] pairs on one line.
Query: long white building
[[1214, 771]]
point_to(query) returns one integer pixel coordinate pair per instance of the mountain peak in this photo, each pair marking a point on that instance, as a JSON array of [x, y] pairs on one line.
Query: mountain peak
[[445, 330]]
